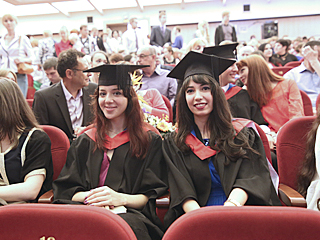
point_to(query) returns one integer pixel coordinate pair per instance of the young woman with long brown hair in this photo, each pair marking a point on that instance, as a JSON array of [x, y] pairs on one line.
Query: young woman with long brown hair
[[279, 99], [212, 159], [119, 162], [25, 150]]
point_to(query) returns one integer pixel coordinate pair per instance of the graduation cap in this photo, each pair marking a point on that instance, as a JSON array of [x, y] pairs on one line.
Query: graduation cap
[[225, 51], [195, 63], [115, 74]]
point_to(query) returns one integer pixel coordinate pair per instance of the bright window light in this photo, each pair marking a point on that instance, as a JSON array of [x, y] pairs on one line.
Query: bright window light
[[73, 6], [34, 9], [114, 4], [158, 2]]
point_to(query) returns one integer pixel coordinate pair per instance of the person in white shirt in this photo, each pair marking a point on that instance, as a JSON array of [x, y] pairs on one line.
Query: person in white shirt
[[133, 38]]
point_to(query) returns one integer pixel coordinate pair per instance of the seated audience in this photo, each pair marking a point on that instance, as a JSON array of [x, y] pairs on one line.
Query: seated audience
[[168, 57], [50, 68], [282, 56], [25, 150], [241, 106], [121, 157], [64, 44], [66, 104], [244, 52], [155, 77], [226, 164], [151, 101], [196, 45], [307, 75], [309, 180], [115, 58], [8, 73], [267, 53], [98, 58], [278, 98]]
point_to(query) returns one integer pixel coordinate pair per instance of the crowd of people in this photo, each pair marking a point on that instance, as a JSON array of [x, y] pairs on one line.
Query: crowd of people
[[99, 89]]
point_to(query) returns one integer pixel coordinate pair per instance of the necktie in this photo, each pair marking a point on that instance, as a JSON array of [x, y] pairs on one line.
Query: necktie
[[135, 33], [104, 169]]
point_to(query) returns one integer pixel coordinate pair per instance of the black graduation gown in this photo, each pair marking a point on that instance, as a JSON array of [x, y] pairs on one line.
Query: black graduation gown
[[126, 174], [189, 176], [242, 106]]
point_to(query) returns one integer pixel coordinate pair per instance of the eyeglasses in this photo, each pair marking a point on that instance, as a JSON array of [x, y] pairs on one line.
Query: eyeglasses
[[75, 69], [143, 56]]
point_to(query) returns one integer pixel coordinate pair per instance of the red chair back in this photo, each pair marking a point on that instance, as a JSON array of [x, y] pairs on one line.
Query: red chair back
[[168, 104], [293, 64], [307, 104], [291, 145], [61, 222], [30, 102], [31, 90], [243, 223], [265, 142], [59, 148], [281, 70]]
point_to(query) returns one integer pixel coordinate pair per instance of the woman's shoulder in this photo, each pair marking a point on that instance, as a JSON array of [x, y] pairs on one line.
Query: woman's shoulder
[[38, 135]]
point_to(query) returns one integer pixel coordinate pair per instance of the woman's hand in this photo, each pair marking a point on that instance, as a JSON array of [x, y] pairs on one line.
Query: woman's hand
[[105, 196]]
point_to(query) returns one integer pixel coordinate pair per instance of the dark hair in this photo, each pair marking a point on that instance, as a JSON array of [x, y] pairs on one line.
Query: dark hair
[[285, 43], [68, 59], [219, 122], [139, 140], [116, 57], [15, 112], [312, 43], [114, 32], [83, 26], [262, 46], [50, 63], [127, 58], [308, 168]]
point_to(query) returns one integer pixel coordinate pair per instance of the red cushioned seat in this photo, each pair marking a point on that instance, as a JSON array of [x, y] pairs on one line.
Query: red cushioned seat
[[244, 223], [291, 145], [61, 222], [59, 148], [307, 104], [281, 70]]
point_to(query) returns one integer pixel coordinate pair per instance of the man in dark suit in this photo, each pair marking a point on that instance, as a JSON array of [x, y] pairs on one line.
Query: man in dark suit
[[66, 104], [160, 34]]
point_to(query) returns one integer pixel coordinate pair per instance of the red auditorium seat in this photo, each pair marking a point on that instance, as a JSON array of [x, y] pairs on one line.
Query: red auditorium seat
[[168, 104], [30, 102], [291, 144], [293, 64], [59, 148], [243, 223], [307, 104], [31, 89], [61, 222], [281, 70]]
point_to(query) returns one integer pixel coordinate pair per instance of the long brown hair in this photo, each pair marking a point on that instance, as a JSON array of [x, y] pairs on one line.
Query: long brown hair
[[219, 122], [308, 168], [15, 112], [260, 79], [139, 139]]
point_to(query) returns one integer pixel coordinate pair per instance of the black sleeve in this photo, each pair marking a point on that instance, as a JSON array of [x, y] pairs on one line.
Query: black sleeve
[[254, 176], [38, 156], [39, 108]]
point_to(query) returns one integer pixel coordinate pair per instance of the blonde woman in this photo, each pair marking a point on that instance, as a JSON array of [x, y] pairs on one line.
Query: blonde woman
[[15, 48]]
